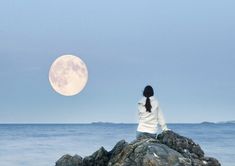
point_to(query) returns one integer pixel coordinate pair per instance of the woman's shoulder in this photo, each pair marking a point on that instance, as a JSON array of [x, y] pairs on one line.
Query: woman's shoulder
[[142, 100], [153, 99], [154, 102]]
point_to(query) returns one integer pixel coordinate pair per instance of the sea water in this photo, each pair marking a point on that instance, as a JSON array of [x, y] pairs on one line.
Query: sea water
[[43, 144]]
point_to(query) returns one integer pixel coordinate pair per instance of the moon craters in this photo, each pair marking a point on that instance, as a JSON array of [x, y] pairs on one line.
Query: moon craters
[[68, 75]]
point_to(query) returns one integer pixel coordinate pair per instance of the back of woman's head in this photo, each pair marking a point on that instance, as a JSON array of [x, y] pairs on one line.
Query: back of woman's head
[[148, 92]]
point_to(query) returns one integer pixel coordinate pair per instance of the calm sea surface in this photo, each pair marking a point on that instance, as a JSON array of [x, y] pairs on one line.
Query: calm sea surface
[[43, 144]]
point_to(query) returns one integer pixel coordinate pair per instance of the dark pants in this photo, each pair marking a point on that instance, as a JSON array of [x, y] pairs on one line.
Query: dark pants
[[140, 135]]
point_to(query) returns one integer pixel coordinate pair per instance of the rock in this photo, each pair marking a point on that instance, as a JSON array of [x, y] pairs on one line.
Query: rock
[[99, 158], [117, 149], [181, 144], [68, 160], [187, 148], [168, 149], [210, 161], [148, 152]]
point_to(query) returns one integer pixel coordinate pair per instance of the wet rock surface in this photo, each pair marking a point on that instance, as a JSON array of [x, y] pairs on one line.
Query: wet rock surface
[[168, 149]]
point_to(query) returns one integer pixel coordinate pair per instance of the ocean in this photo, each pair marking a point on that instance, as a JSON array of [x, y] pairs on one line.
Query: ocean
[[43, 144]]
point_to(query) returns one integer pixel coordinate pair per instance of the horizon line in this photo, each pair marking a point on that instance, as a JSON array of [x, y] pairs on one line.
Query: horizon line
[[88, 123]]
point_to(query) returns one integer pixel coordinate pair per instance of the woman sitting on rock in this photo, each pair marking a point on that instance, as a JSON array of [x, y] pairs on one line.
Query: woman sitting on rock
[[150, 115]]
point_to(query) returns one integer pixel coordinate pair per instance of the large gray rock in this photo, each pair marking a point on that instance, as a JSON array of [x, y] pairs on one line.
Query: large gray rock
[[181, 144], [187, 148], [99, 158], [169, 149], [67, 160], [147, 152]]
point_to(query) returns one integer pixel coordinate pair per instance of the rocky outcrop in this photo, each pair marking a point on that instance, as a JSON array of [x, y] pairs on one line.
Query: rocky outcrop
[[68, 160], [187, 148], [168, 149], [99, 158]]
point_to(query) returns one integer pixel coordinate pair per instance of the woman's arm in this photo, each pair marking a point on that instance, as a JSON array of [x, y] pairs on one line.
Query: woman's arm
[[140, 109], [161, 119]]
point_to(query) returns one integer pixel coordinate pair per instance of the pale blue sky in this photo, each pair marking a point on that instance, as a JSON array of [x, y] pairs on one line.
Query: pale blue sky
[[184, 49]]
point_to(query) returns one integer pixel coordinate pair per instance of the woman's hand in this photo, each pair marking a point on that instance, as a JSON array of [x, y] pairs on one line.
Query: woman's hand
[[167, 129]]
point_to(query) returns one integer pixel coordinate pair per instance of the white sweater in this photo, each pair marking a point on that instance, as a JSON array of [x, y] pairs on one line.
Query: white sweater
[[149, 121]]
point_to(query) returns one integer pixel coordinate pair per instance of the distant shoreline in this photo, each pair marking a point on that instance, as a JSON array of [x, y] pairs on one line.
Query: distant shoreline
[[114, 123]]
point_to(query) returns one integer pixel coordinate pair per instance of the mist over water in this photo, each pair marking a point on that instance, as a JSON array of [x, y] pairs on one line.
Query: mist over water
[[43, 144]]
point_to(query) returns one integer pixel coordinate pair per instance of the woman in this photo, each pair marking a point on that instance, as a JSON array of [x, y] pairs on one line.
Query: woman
[[150, 115]]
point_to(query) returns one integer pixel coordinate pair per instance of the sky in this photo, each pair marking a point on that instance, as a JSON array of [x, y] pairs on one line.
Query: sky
[[184, 49]]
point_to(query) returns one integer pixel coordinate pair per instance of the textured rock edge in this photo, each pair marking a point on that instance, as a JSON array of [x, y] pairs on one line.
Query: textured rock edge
[[191, 152]]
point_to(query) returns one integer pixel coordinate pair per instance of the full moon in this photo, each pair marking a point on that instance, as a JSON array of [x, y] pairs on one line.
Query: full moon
[[68, 75]]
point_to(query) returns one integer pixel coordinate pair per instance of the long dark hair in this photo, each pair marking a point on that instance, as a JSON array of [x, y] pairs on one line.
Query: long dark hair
[[148, 92]]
